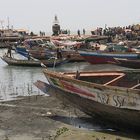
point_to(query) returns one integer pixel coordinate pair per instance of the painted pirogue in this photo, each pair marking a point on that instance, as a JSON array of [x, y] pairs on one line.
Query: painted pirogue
[[129, 63], [111, 96], [34, 63], [106, 57]]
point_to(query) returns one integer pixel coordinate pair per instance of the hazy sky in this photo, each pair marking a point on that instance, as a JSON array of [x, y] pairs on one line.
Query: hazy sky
[[37, 15]]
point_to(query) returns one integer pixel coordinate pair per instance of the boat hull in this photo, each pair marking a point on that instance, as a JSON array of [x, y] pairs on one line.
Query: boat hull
[[22, 51], [135, 64], [73, 56], [54, 62], [40, 54], [103, 58], [35, 53], [16, 62], [124, 119], [117, 105], [33, 63]]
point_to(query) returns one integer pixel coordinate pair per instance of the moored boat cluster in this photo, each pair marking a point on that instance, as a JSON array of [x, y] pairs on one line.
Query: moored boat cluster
[[113, 96]]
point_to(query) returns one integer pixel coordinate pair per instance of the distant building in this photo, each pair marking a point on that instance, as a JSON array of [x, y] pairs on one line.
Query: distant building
[[8, 33], [22, 32], [13, 33], [56, 26]]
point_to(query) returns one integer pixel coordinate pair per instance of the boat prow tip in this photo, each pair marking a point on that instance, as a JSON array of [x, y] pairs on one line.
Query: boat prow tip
[[44, 87]]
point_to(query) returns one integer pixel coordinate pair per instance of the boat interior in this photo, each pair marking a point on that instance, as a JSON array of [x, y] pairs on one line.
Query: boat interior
[[121, 79]]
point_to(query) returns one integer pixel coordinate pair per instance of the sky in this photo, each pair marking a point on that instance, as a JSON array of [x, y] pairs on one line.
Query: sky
[[36, 15]]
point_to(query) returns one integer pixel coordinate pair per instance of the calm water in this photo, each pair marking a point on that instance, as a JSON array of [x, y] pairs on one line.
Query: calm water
[[18, 81]]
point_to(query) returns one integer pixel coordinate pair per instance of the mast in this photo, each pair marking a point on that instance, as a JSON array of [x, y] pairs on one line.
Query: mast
[[8, 23], [56, 21], [1, 22]]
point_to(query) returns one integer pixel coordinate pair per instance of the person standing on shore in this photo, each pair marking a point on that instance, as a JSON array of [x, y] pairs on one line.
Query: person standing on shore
[[78, 32], [59, 53], [84, 31], [9, 49]]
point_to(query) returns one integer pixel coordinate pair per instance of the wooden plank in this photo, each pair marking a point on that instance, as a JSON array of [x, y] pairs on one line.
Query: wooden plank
[[114, 79]]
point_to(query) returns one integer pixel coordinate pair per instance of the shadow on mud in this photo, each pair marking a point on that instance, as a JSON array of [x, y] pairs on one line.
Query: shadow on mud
[[92, 124]]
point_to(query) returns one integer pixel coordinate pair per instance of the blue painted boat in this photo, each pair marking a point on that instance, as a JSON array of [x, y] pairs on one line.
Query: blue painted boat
[[35, 53], [22, 51], [105, 57]]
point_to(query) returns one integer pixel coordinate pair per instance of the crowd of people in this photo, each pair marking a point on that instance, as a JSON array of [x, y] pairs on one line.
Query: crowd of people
[[130, 32]]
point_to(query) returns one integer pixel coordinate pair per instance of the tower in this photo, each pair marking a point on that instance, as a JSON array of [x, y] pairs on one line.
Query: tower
[[56, 26]]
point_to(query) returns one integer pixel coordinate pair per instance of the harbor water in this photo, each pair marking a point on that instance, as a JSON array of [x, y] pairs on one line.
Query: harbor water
[[18, 81]]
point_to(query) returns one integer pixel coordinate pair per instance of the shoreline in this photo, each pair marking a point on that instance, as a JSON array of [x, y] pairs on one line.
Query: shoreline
[[46, 118]]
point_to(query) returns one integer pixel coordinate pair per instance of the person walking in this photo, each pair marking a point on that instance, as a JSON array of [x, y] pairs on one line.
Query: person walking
[[78, 32], [84, 31]]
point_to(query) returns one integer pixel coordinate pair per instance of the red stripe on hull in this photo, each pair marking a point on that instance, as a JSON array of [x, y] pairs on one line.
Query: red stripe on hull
[[76, 90]]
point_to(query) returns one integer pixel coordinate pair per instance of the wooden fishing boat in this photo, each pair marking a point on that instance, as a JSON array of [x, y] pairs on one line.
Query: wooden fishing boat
[[111, 96], [33, 62], [129, 63], [53, 62], [19, 62], [45, 52], [105, 57], [69, 50], [41, 53], [37, 53], [22, 51], [73, 56], [37, 48]]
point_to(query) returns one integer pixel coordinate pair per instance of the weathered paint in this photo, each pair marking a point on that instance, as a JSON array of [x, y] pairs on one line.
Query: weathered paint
[[117, 117], [112, 96], [102, 57]]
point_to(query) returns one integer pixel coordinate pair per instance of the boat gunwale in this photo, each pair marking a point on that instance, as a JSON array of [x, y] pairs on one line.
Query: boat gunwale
[[62, 76], [106, 53], [10, 60]]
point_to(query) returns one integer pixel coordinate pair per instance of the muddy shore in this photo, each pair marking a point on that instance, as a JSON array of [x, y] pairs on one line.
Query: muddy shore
[[47, 118]]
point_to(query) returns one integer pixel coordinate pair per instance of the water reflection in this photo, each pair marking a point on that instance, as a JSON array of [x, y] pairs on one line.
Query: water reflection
[[18, 81]]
